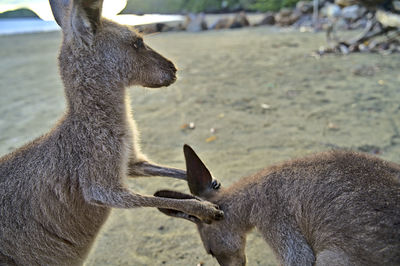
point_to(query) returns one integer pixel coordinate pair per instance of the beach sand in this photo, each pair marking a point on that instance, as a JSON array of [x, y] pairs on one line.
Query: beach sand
[[259, 89]]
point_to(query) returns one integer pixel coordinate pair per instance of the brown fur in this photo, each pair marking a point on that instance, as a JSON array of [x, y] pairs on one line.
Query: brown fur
[[333, 208], [56, 192]]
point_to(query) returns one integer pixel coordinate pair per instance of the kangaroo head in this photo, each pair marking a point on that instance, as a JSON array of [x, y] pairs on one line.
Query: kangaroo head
[[98, 50], [223, 239]]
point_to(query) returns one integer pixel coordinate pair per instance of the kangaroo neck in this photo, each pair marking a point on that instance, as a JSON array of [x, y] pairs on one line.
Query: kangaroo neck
[[238, 202], [99, 103], [92, 90], [249, 201]]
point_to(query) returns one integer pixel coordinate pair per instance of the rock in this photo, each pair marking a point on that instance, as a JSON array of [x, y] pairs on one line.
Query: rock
[[304, 21], [333, 126], [222, 23], [285, 12], [353, 12], [388, 19], [363, 48], [344, 49], [394, 47], [287, 17], [269, 19], [176, 27], [383, 46], [396, 5], [151, 28], [331, 11], [187, 126], [342, 24], [359, 24], [305, 7], [345, 3], [238, 21], [195, 23], [323, 2]]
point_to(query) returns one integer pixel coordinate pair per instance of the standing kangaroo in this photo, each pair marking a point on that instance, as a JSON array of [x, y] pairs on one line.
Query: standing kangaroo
[[57, 191], [333, 208]]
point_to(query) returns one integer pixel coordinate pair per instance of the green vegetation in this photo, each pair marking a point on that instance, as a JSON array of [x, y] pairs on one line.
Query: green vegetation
[[19, 13], [182, 6], [153, 6], [273, 5]]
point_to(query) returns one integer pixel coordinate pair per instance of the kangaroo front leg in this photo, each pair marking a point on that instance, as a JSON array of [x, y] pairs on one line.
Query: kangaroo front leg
[[145, 168], [121, 197], [289, 244]]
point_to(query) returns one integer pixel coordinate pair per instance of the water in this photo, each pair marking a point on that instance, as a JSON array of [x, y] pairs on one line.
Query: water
[[29, 25], [26, 25]]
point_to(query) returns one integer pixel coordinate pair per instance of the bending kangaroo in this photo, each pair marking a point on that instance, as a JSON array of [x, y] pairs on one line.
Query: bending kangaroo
[[57, 191], [333, 208]]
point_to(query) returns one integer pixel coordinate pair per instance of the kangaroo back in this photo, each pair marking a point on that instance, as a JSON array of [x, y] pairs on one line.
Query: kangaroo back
[[334, 208]]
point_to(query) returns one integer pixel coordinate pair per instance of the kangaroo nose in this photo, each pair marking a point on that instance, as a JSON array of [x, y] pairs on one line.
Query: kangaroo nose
[[173, 70], [172, 66]]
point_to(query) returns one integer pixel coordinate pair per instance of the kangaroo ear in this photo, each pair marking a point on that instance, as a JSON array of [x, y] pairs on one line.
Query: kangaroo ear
[[60, 9], [199, 177], [175, 213], [86, 18]]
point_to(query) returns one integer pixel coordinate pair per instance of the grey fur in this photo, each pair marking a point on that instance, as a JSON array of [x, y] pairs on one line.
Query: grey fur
[[332, 208], [57, 191]]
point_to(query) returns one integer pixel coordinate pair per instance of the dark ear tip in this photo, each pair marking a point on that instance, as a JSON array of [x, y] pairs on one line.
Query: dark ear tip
[[189, 153], [187, 149]]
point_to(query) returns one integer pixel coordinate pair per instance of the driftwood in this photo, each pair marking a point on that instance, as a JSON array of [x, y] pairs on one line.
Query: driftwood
[[381, 34]]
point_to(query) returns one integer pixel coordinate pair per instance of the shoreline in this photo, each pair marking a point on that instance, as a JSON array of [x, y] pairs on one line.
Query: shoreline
[[24, 25]]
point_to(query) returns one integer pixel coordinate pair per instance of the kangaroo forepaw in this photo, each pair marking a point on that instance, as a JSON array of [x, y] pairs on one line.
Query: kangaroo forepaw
[[213, 213], [219, 215]]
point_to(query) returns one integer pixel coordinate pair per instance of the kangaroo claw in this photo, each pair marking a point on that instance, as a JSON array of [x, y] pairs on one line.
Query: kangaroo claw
[[215, 184], [219, 216], [213, 213]]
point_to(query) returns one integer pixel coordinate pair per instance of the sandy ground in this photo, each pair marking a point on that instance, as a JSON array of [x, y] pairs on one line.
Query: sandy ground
[[266, 97]]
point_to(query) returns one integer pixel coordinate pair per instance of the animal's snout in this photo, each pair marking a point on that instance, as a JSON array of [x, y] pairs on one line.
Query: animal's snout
[[172, 68], [170, 76]]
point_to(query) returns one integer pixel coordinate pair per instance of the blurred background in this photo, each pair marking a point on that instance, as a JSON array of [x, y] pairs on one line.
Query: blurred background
[[332, 16]]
